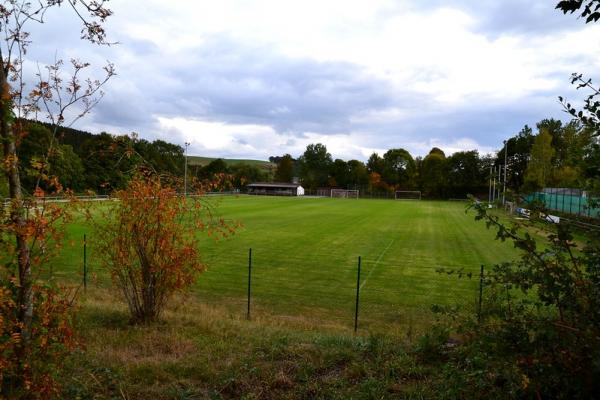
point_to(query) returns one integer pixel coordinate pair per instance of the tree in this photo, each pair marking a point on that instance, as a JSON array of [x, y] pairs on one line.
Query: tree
[[539, 168], [375, 164], [162, 157], [244, 174], [376, 184], [149, 243], [340, 173], [577, 142], [68, 167], [358, 176], [591, 171], [217, 166], [285, 169], [465, 174], [433, 174], [62, 161], [590, 115], [399, 169], [566, 176], [518, 149], [3, 186], [555, 128], [52, 96], [590, 8], [314, 166], [107, 165]]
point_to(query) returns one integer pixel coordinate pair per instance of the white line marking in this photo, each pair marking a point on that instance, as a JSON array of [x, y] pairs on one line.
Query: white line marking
[[377, 262]]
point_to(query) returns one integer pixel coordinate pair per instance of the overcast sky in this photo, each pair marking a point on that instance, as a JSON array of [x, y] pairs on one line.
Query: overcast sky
[[255, 78]]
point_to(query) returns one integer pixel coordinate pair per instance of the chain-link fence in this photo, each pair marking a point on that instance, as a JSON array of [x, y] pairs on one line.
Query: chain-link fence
[[568, 201]]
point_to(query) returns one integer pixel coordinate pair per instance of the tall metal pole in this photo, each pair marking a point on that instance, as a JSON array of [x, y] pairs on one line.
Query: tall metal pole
[[185, 170], [494, 185], [505, 164], [490, 186], [499, 180]]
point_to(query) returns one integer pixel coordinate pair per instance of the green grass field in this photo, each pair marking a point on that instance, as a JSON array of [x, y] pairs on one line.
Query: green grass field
[[305, 253]]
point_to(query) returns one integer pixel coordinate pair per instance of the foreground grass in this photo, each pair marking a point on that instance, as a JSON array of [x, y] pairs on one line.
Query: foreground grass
[[299, 342], [199, 351]]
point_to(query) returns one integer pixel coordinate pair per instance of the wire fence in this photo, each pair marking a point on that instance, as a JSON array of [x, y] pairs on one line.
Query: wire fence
[[358, 294], [360, 298], [362, 194]]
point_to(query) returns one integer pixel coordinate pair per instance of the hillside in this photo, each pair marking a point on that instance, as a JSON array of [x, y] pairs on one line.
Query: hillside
[[203, 161]]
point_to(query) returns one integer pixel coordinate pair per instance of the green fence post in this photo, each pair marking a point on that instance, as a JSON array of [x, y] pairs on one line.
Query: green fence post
[[480, 294], [357, 296], [84, 262], [249, 281]]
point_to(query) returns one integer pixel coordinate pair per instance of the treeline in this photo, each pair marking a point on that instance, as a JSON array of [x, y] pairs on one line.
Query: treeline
[[83, 161], [436, 175], [239, 175], [557, 155], [103, 162]]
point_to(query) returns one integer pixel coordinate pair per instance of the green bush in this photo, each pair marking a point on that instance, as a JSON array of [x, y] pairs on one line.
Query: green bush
[[538, 335]]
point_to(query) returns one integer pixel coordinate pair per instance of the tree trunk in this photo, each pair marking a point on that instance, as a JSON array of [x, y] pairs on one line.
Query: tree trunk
[[11, 164]]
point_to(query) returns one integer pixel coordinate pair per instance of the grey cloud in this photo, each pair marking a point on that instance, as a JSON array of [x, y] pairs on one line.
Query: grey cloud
[[245, 84], [237, 83], [494, 18], [486, 125], [122, 107]]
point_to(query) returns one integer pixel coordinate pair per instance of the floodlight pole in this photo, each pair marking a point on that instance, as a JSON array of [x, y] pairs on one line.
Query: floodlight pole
[[494, 185], [505, 164], [499, 181], [187, 144], [490, 185]]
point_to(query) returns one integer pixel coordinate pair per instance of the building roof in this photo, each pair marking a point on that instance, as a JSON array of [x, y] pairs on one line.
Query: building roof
[[274, 185]]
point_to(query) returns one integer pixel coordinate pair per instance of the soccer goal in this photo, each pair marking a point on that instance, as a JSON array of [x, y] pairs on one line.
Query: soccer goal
[[344, 194], [408, 195]]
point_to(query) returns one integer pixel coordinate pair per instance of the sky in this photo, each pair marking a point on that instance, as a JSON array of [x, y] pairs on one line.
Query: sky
[[259, 78]]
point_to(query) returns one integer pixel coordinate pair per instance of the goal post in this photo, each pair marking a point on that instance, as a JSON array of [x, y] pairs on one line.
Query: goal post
[[344, 194], [408, 195]]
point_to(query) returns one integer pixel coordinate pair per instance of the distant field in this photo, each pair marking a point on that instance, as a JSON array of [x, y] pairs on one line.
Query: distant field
[[305, 253], [202, 161]]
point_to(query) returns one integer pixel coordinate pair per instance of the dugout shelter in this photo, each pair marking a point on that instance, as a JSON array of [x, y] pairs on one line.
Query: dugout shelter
[[275, 189]]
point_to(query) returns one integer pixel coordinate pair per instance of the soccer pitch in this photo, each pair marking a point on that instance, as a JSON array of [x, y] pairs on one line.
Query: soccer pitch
[[305, 252]]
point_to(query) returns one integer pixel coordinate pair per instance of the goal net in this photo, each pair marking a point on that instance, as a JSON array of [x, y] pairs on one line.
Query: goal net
[[408, 195], [344, 194]]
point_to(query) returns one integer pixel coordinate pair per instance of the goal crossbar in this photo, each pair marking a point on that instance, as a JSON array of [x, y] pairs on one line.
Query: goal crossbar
[[408, 195]]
